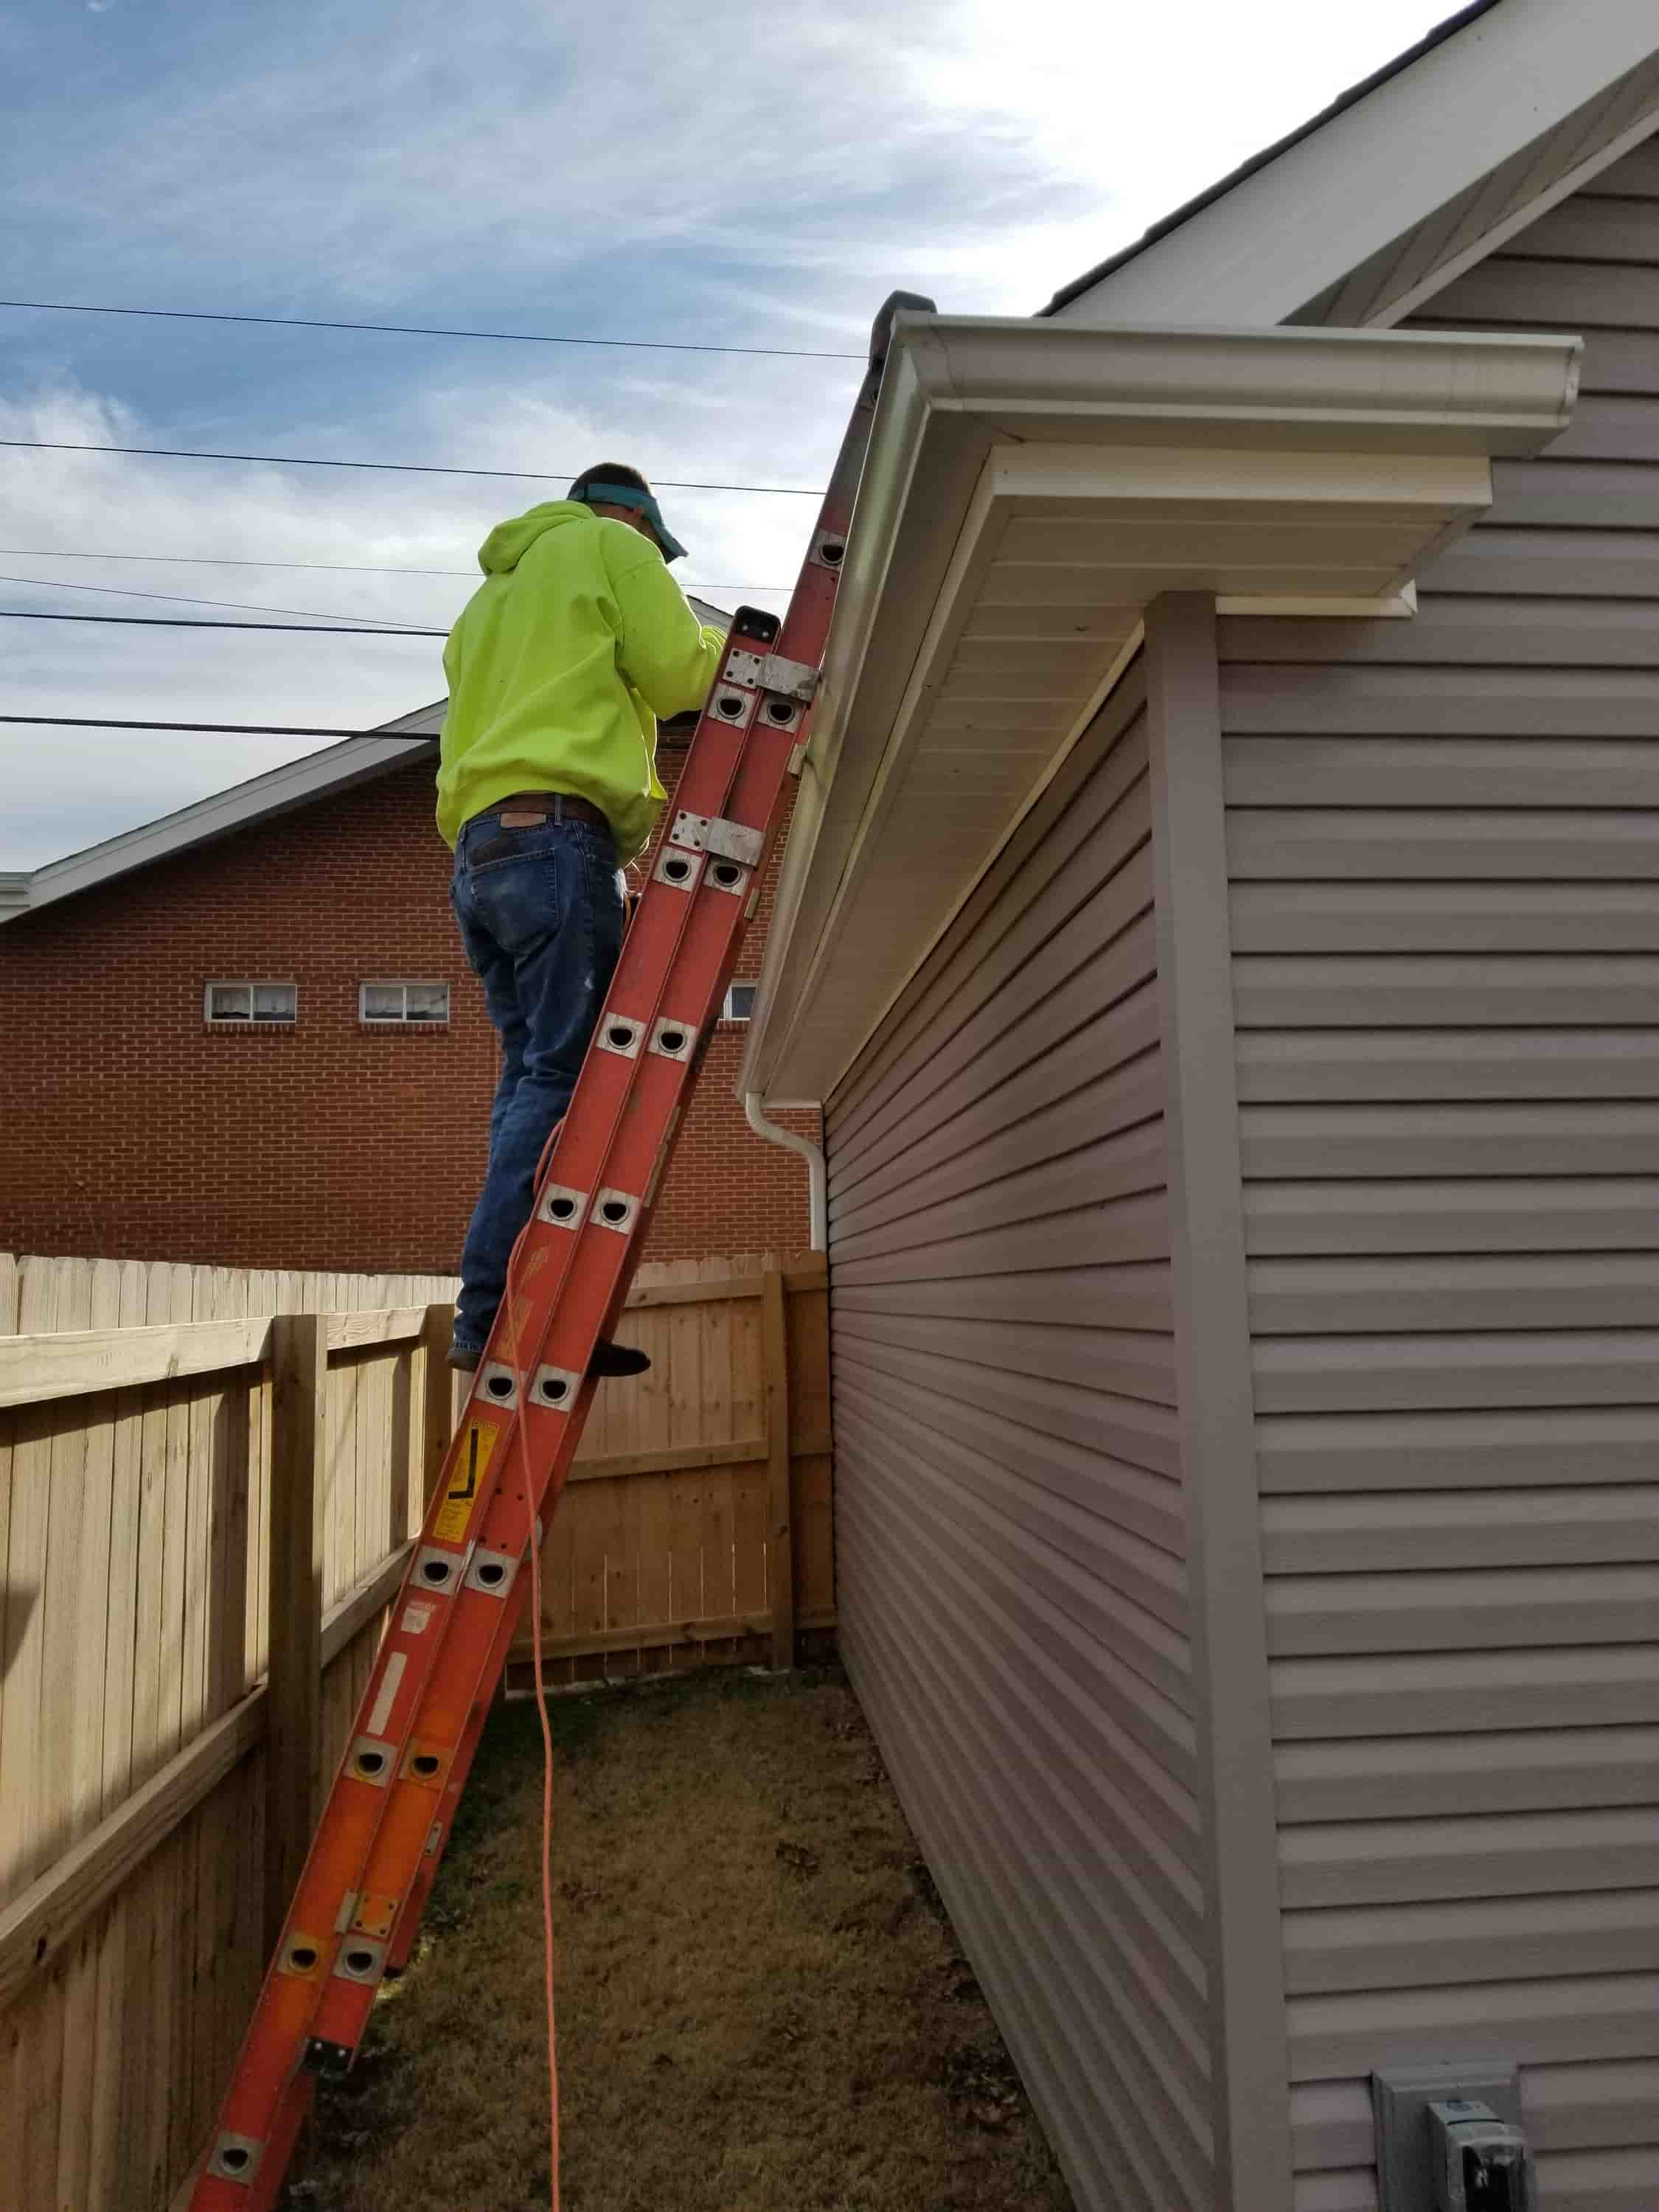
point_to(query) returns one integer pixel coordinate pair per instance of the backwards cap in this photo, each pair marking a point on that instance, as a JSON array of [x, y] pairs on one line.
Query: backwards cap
[[596, 485]]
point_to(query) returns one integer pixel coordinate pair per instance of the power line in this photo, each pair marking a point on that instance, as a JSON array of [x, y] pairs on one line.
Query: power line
[[428, 331], [179, 599], [667, 734], [240, 561], [395, 468], [193, 622], [217, 729]]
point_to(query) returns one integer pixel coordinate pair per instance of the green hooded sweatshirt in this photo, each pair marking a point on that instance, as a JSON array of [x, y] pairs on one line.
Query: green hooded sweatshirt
[[575, 641]]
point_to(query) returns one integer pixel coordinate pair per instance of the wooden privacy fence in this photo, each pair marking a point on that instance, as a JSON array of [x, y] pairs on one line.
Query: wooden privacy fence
[[209, 1481], [696, 1524], [147, 1461]]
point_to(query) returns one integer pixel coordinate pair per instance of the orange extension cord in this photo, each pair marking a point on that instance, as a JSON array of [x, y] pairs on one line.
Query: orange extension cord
[[547, 1837], [514, 1314]]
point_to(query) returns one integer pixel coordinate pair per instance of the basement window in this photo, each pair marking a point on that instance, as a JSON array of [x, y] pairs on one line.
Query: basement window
[[739, 1003], [234, 1005], [403, 1002]]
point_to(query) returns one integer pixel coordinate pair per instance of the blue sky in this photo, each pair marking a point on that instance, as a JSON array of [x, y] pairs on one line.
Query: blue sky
[[739, 174]]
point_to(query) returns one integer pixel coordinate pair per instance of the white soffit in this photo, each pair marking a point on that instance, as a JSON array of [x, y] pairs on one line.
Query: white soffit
[[1527, 74], [1030, 486]]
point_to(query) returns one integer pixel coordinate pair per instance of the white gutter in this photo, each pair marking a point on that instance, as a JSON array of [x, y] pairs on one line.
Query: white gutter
[[816, 1180]]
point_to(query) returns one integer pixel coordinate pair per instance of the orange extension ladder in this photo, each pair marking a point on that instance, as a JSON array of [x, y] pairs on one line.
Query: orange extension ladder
[[389, 1812]]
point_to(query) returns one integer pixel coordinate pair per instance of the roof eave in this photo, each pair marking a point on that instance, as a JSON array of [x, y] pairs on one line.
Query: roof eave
[[980, 418]]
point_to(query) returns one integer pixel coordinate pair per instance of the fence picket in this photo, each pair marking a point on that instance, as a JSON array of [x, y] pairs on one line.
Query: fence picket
[[300, 1379], [175, 2056], [81, 1725], [25, 1571], [126, 1472]]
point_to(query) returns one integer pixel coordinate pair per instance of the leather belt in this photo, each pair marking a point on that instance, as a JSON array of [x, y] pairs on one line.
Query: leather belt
[[526, 808]]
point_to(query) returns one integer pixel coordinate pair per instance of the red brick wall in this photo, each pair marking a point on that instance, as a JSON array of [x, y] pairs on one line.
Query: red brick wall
[[134, 1131]]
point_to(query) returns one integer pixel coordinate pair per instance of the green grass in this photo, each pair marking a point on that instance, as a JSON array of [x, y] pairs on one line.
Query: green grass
[[762, 2006]]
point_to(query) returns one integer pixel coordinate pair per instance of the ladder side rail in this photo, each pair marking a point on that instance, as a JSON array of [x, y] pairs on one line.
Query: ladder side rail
[[352, 1820], [544, 1367], [331, 1912], [600, 1276]]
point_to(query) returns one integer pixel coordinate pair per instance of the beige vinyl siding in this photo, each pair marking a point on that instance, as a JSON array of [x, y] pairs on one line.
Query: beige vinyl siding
[[1382, 288], [1013, 1598], [1445, 913]]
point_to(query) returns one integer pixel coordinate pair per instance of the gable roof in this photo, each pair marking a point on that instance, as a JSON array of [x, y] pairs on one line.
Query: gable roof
[[1413, 174], [296, 783], [279, 791]]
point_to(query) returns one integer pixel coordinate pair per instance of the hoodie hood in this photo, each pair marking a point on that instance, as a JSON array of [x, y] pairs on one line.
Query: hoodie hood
[[508, 542]]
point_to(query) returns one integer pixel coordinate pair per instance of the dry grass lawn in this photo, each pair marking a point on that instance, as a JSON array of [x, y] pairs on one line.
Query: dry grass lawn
[[762, 2006]]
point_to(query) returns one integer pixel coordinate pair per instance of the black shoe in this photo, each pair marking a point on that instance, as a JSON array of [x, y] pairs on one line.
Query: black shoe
[[613, 1360], [609, 1360]]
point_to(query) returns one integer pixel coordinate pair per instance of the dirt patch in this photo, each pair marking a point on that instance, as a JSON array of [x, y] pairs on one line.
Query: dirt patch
[[762, 2005]]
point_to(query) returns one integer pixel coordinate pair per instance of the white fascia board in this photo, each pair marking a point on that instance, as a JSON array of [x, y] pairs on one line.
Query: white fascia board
[[1285, 233], [1019, 377], [296, 783], [1048, 400]]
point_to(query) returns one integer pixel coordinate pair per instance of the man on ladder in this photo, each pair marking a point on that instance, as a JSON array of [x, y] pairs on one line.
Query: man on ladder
[[558, 667]]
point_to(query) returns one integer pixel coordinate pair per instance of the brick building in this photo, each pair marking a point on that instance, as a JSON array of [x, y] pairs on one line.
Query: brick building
[[246, 1035]]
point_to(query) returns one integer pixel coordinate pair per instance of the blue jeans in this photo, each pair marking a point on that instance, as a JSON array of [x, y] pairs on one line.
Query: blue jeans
[[540, 912]]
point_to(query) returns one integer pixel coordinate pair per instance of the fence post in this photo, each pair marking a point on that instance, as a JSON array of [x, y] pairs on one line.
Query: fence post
[[298, 1444], [438, 1399], [780, 1539]]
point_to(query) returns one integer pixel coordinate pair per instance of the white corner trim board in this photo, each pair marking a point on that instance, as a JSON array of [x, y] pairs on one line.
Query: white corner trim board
[[1031, 487]]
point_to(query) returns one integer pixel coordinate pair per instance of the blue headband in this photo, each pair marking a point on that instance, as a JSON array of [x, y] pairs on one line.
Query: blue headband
[[642, 502]]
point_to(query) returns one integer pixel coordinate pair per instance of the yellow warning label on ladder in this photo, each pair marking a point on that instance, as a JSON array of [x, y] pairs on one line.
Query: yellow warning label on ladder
[[471, 1466]]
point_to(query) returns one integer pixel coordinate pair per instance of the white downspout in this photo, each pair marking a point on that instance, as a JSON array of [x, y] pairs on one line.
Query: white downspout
[[817, 1189]]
